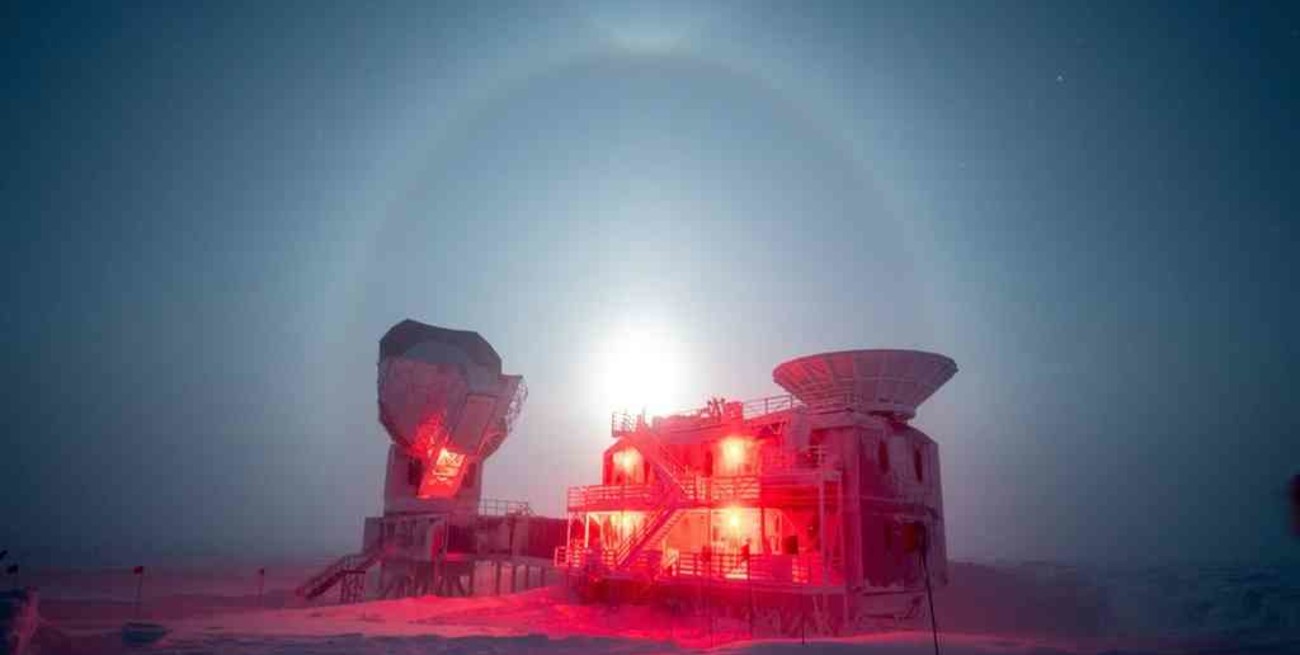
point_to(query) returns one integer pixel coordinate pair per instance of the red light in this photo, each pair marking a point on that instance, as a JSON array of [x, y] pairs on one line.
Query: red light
[[733, 519], [430, 434], [628, 460], [442, 476], [626, 524], [734, 454], [630, 520]]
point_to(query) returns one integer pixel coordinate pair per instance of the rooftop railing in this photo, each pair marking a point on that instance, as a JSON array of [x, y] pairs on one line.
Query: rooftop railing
[[499, 507], [624, 422]]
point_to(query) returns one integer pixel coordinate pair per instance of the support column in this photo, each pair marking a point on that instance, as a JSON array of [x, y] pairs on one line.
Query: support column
[[845, 541], [821, 516]]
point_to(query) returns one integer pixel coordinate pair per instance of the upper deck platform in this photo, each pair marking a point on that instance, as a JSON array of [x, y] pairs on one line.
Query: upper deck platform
[[714, 414], [783, 476]]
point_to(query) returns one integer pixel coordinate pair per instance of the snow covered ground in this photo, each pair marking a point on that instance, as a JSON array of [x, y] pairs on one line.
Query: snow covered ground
[[1021, 608]]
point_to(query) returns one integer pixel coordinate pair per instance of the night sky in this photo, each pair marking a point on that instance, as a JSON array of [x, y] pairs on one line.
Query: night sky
[[213, 212]]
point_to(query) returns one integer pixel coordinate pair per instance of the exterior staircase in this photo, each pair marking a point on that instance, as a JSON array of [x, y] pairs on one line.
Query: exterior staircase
[[676, 476], [680, 485], [660, 522], [350, 564]]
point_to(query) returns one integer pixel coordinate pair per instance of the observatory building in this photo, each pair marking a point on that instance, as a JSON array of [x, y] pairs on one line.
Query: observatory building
[[820, 510], [816, 511], [446, 407]]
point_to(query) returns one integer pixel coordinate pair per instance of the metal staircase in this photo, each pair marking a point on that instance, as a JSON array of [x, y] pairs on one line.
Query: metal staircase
[[676, 476], [348, 565], [680, 485], [660, 522]]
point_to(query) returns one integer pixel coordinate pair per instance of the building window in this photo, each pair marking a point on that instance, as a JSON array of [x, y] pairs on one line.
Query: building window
[[918, 464], [414, 472], [736, 456], [882, 456], [629, 467]]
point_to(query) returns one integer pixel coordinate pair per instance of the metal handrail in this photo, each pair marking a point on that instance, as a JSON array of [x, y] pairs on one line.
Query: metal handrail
[[574, 556], [769, 568], [660, 520], [728, 489], [698, 489], [769, 405], [623, 422], [325, 579], [802, 569], [500, 507], [580, 498]]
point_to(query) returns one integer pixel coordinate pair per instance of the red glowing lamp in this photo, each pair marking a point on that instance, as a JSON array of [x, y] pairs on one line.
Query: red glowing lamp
[[734, 454], [627, 460], [442, 476]]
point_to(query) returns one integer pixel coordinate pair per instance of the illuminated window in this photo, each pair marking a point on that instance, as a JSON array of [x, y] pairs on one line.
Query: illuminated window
[[735, 455], [443, 478], [627, 466], [627, 460], [732, 518]]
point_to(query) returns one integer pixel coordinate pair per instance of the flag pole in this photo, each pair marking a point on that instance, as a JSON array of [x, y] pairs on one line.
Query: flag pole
[[139, 590]]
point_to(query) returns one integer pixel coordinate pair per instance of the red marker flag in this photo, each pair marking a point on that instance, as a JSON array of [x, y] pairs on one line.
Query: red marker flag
[[139, 589]]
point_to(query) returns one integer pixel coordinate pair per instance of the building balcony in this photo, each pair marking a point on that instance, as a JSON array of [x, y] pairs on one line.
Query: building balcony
[[805, 569], [699, 491], [613, 497]]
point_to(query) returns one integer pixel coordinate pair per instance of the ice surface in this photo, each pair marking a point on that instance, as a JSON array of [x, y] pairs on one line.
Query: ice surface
[[1022, 608]]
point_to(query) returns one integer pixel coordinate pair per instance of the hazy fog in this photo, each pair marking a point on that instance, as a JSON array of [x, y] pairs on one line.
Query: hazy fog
[[213, 213]]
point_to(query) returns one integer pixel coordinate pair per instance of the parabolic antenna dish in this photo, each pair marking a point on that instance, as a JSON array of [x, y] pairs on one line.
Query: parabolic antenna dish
[[890, 382], [442, 396]]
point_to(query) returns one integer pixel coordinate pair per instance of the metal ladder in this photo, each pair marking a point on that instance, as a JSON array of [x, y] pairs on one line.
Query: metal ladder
[[350, 564]]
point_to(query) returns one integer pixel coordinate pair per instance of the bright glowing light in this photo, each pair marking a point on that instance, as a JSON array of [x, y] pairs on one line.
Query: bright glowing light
[[733, 454], [628, 460], [732, 517], [639, 369], [740, 522], [442, 476], [627, 523]]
